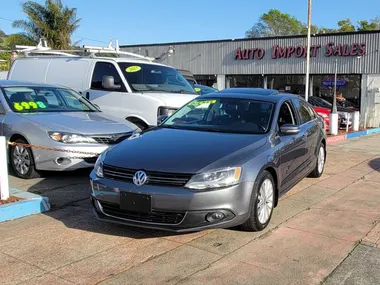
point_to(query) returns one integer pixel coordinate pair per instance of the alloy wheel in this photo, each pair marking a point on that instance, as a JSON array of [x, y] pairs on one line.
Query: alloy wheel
[[265, 201], [21, 160], [321, 159]]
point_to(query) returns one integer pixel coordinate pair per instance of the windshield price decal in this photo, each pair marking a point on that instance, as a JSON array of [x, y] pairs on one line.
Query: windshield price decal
[[197, 89], [134, 68], [19, 106], [198, 103]]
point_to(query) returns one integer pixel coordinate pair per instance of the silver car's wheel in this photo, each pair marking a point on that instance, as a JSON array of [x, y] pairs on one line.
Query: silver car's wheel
[[265, 201], [21, 159]]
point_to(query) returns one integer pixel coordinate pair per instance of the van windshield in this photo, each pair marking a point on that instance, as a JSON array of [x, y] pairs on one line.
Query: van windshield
[[155, 78], [25, 99]]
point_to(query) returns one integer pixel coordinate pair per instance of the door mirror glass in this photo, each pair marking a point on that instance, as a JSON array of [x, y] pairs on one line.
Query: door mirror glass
[[289, 129], [108, 82], [161, 118]]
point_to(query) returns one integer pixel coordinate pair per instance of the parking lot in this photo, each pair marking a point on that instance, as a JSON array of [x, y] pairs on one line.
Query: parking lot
[[314, 229]]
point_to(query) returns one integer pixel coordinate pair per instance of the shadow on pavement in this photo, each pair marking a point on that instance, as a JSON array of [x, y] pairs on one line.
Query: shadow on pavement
[[375, 164]]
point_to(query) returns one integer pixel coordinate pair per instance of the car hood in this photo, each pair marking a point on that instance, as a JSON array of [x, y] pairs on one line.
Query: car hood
[[175, 100], [80, 122], [182, 151]]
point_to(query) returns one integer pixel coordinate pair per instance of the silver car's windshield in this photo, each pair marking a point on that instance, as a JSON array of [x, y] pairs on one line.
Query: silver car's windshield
[[229, 115], [155, 78], [25, 99]]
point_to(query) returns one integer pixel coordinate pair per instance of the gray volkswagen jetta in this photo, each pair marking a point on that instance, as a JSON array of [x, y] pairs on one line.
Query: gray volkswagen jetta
[[222, 160]]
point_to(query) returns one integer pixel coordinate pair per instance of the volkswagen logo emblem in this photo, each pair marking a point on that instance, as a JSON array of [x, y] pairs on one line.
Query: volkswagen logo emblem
[[140, 178]]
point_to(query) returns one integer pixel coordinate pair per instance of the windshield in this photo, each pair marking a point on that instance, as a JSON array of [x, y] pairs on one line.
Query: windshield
[[155, 78], [316, 101], [227, 115], [45, 99]]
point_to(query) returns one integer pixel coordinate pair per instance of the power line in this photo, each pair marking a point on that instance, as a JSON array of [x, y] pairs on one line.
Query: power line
[[6, 19]]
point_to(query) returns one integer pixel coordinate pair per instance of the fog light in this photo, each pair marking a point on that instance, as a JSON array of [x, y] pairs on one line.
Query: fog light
[[62, 161], [215, 216]]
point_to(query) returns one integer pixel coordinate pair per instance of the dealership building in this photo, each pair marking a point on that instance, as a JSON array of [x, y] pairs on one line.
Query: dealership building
[[280, 63]]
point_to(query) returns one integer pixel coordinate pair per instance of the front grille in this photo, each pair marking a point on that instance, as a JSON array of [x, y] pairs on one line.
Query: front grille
[[158, 217], [154, 178], [111, 139]]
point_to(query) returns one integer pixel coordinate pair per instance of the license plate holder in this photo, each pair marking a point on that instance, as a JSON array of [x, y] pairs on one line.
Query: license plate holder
[[135, 202]]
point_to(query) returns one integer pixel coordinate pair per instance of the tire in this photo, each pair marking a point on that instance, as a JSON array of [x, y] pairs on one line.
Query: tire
[[320, 165], [18, 156], [256, 220]]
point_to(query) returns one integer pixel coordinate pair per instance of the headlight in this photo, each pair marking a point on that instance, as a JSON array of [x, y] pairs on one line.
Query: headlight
[[70, 138], [215, 179], [165, 111], [98, 167]]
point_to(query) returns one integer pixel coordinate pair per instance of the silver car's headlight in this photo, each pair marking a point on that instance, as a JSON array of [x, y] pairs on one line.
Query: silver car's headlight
[[215, 179], [70, 138]]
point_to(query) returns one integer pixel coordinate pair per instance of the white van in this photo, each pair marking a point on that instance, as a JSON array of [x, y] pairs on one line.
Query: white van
[[135, 89]]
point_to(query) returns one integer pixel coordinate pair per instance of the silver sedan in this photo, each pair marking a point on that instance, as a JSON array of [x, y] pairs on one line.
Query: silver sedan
[[65, 130]]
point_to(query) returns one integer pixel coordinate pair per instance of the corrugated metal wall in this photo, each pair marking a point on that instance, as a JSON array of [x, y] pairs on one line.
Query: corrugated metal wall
[[218, 57]]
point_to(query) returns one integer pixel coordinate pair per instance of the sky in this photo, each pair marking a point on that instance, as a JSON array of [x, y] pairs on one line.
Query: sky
[[156, 21]]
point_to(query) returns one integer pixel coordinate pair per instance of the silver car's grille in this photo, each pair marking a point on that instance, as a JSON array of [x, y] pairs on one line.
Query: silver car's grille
[[154, 178], [110, 139]]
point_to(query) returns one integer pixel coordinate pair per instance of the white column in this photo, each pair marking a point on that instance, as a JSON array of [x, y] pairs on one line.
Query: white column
[[4, 186], [221, 81], [265, 82]]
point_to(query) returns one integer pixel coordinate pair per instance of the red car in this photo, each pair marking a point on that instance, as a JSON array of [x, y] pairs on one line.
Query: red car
[[325, 114]]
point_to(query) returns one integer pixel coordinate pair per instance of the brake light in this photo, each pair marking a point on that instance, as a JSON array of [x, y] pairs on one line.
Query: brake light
[[323, 115]]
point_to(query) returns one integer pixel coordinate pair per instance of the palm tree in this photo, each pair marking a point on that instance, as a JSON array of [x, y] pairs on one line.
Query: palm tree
[[53, 22]]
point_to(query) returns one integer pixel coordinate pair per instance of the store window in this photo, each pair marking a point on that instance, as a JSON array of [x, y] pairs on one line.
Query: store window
[[348, 89], [253, 81], [294, 84]]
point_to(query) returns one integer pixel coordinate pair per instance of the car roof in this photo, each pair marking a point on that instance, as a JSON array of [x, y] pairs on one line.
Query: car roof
[[13, 83], [253, 94]]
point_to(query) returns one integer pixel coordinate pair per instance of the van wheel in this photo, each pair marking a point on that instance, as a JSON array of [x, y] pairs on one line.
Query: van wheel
[[140, 124], [263, 200], [22, 161]]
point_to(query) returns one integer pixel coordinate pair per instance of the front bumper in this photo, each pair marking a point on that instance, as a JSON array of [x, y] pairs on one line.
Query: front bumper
[[175, 209], [67, 159]]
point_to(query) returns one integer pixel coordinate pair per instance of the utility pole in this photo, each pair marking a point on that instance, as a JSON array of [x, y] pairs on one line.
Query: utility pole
[[308, 50]]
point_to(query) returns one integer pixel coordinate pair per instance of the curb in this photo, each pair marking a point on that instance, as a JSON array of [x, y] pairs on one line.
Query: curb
[[32, 204], [335, 139]]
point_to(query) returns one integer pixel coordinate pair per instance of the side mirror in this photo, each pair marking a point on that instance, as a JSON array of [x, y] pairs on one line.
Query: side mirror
[[289, 129], [108, 82], [161, 118]]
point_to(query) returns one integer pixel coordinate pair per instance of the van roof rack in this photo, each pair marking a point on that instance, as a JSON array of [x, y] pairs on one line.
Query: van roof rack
[[43, 49]]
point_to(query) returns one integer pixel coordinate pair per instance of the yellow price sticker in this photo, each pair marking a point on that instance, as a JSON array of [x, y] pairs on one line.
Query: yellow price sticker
[[198, 103], [133, 68], [19, 106], [197, 89]]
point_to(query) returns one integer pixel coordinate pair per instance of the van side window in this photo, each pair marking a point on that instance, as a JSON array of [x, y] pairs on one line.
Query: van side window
[[105, 69]]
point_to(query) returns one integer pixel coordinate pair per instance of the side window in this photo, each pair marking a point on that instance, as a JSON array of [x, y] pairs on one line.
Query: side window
[[105, 69], [303, 110], [286, 115]]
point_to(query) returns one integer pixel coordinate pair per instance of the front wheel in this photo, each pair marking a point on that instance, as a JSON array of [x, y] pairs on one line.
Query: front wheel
[[22, 162], [320, 166], [262, 204]]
